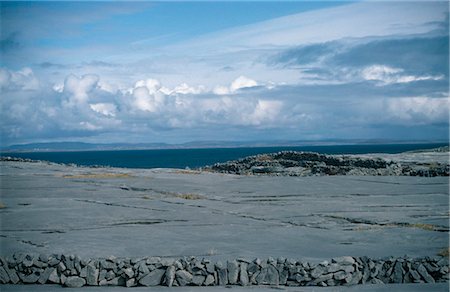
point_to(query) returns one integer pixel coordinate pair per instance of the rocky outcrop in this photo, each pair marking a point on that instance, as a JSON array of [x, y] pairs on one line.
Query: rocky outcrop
[[71, 271], [292, 163]]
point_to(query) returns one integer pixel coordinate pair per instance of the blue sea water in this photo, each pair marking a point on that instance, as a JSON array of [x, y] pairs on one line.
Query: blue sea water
[[193, 158]]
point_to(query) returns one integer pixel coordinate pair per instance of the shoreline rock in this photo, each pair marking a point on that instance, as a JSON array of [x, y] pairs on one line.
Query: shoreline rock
[[294, 163]]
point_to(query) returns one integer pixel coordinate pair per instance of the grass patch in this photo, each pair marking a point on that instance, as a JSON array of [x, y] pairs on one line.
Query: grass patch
[[264, 157], [97, 175], [445, 252], [423, 226], [189, 196], [187, 171], [2, 206], [145, 197]]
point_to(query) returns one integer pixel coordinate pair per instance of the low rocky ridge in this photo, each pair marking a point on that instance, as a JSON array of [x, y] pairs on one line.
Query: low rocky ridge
[[72, 271], [293, 163]]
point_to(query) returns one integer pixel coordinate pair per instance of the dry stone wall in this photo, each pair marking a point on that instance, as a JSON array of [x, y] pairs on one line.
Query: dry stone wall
[[72, 271]]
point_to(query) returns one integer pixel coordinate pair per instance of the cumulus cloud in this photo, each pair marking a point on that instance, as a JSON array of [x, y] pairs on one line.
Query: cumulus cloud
[[78, 88]]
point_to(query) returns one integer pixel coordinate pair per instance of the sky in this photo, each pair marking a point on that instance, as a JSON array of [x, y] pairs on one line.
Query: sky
[[174, 72]]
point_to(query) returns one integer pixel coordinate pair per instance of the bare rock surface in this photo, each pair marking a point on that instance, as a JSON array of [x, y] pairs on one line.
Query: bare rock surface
[[59, 209]]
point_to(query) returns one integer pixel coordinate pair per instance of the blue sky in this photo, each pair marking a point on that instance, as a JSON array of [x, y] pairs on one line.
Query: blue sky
[[182, 71]]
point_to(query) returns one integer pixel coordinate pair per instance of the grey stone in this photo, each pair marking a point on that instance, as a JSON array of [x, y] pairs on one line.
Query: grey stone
[[110, 275], [128, 272], [143, 269], [321, 279], [170, 276], [272, 275], [92, 275], [4, 277], [443, 262], [61, 267], [261, 278], [333, 268], [153, 261], [153, 278], [318, 271], [117, 281], [331, 282], [13, 277], [69, 263], [243, 275], [63, 279], [83, 272], [54, 277], [397, 275], [45, 275], [130, 282], [183, 277], [103, 282], [283, 273], [222, 276], [53, 261], [31, 278], [209, 268], [75, 282], [198, 280], [233, 272], [340, 275], [27, 261], [346, 260], [209, 280], [243, 260], [376, 281], [423, 272], [253, 268], [302, 278], [356, 278], [348, 269]]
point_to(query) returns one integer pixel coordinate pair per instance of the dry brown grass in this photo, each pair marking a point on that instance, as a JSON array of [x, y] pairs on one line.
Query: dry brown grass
[[189, 196], [445, 252], [423, 226], [264, 157], [97, 175], [187, 171]]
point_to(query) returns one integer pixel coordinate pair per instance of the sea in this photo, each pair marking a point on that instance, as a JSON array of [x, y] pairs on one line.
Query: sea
[[196, 158]]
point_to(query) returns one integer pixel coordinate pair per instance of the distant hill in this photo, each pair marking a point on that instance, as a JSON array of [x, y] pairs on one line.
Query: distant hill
[[81, 146]]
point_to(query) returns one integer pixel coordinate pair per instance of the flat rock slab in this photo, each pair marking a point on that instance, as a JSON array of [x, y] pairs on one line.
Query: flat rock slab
[[98, 212]]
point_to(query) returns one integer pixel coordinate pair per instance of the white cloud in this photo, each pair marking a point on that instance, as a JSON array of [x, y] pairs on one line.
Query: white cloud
[[78, 89], [23, 79], [106, 109], [418, 110], [265, 111], [242, 82], [184, 88], [388, 75], [237, 84]]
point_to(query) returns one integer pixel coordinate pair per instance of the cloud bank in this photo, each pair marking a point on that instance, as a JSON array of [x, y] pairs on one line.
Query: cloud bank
[[374, 75]]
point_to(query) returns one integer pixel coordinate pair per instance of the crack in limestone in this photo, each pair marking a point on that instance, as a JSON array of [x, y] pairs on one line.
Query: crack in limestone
[[119, 205], [424, 226], [29, 242]]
